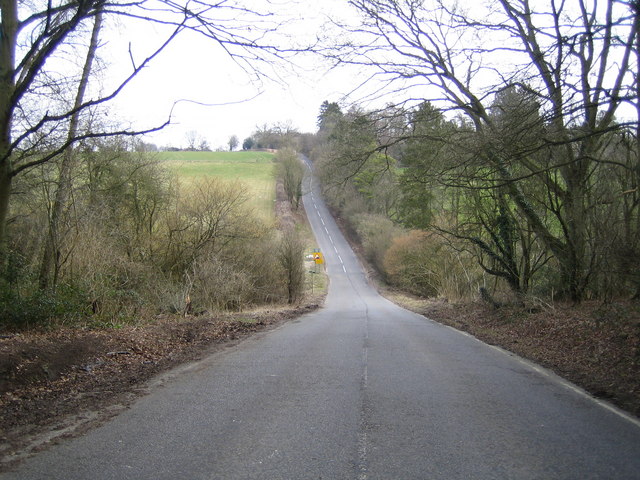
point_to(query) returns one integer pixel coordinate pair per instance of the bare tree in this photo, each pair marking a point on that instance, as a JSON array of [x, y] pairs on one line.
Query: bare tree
[[291, 258], [208, 217], [51, 255], [32, 34], [192, 137], [233, 142], [291, 172], [204, 146], [575, 58]]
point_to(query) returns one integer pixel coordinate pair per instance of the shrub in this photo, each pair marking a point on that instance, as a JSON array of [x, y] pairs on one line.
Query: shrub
[[376, 233], [38, 307], [425, 264]]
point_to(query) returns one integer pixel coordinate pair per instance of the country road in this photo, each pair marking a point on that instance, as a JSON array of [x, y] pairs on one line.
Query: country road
[[360, 389]]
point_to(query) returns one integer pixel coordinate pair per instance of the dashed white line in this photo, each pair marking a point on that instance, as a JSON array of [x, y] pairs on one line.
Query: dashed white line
[[362, 436]]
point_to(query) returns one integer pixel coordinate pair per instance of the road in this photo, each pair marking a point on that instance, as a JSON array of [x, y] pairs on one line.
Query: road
[[360, 389]]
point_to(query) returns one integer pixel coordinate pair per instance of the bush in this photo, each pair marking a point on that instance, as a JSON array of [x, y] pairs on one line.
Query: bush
[[408, 265], [376, 233], [39, 307], [425, 264], [245, 274], [218, 285]]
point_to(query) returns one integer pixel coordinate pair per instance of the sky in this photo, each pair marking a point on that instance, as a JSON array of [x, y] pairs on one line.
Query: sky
[[194, 69]]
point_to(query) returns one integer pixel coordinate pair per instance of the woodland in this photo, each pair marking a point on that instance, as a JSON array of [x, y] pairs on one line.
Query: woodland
[[518, 174], [94, 230]]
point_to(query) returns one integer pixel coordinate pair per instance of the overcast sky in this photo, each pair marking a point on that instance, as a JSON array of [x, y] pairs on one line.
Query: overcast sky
[[195, 69]]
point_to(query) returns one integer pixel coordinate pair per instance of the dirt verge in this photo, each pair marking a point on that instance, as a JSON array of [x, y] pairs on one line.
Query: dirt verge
[[55, 384]]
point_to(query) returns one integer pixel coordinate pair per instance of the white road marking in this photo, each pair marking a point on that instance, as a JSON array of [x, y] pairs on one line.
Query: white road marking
[[555, 378], [362, 436]]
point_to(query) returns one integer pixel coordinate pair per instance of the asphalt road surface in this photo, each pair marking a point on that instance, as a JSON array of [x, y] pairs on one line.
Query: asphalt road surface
[[361, 389]]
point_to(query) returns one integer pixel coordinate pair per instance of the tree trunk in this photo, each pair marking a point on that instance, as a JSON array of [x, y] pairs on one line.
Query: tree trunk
[[636, 19], [5, 193], [51, 255], [8, 35], [573, 263]]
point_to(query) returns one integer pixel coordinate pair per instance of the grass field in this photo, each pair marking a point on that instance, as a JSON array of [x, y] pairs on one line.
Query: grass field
[[254, 169]]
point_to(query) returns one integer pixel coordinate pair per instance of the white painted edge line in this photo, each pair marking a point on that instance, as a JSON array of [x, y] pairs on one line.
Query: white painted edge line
[[552, 376]]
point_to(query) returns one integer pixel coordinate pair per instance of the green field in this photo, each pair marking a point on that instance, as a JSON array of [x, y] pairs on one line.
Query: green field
[[254, 169]]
